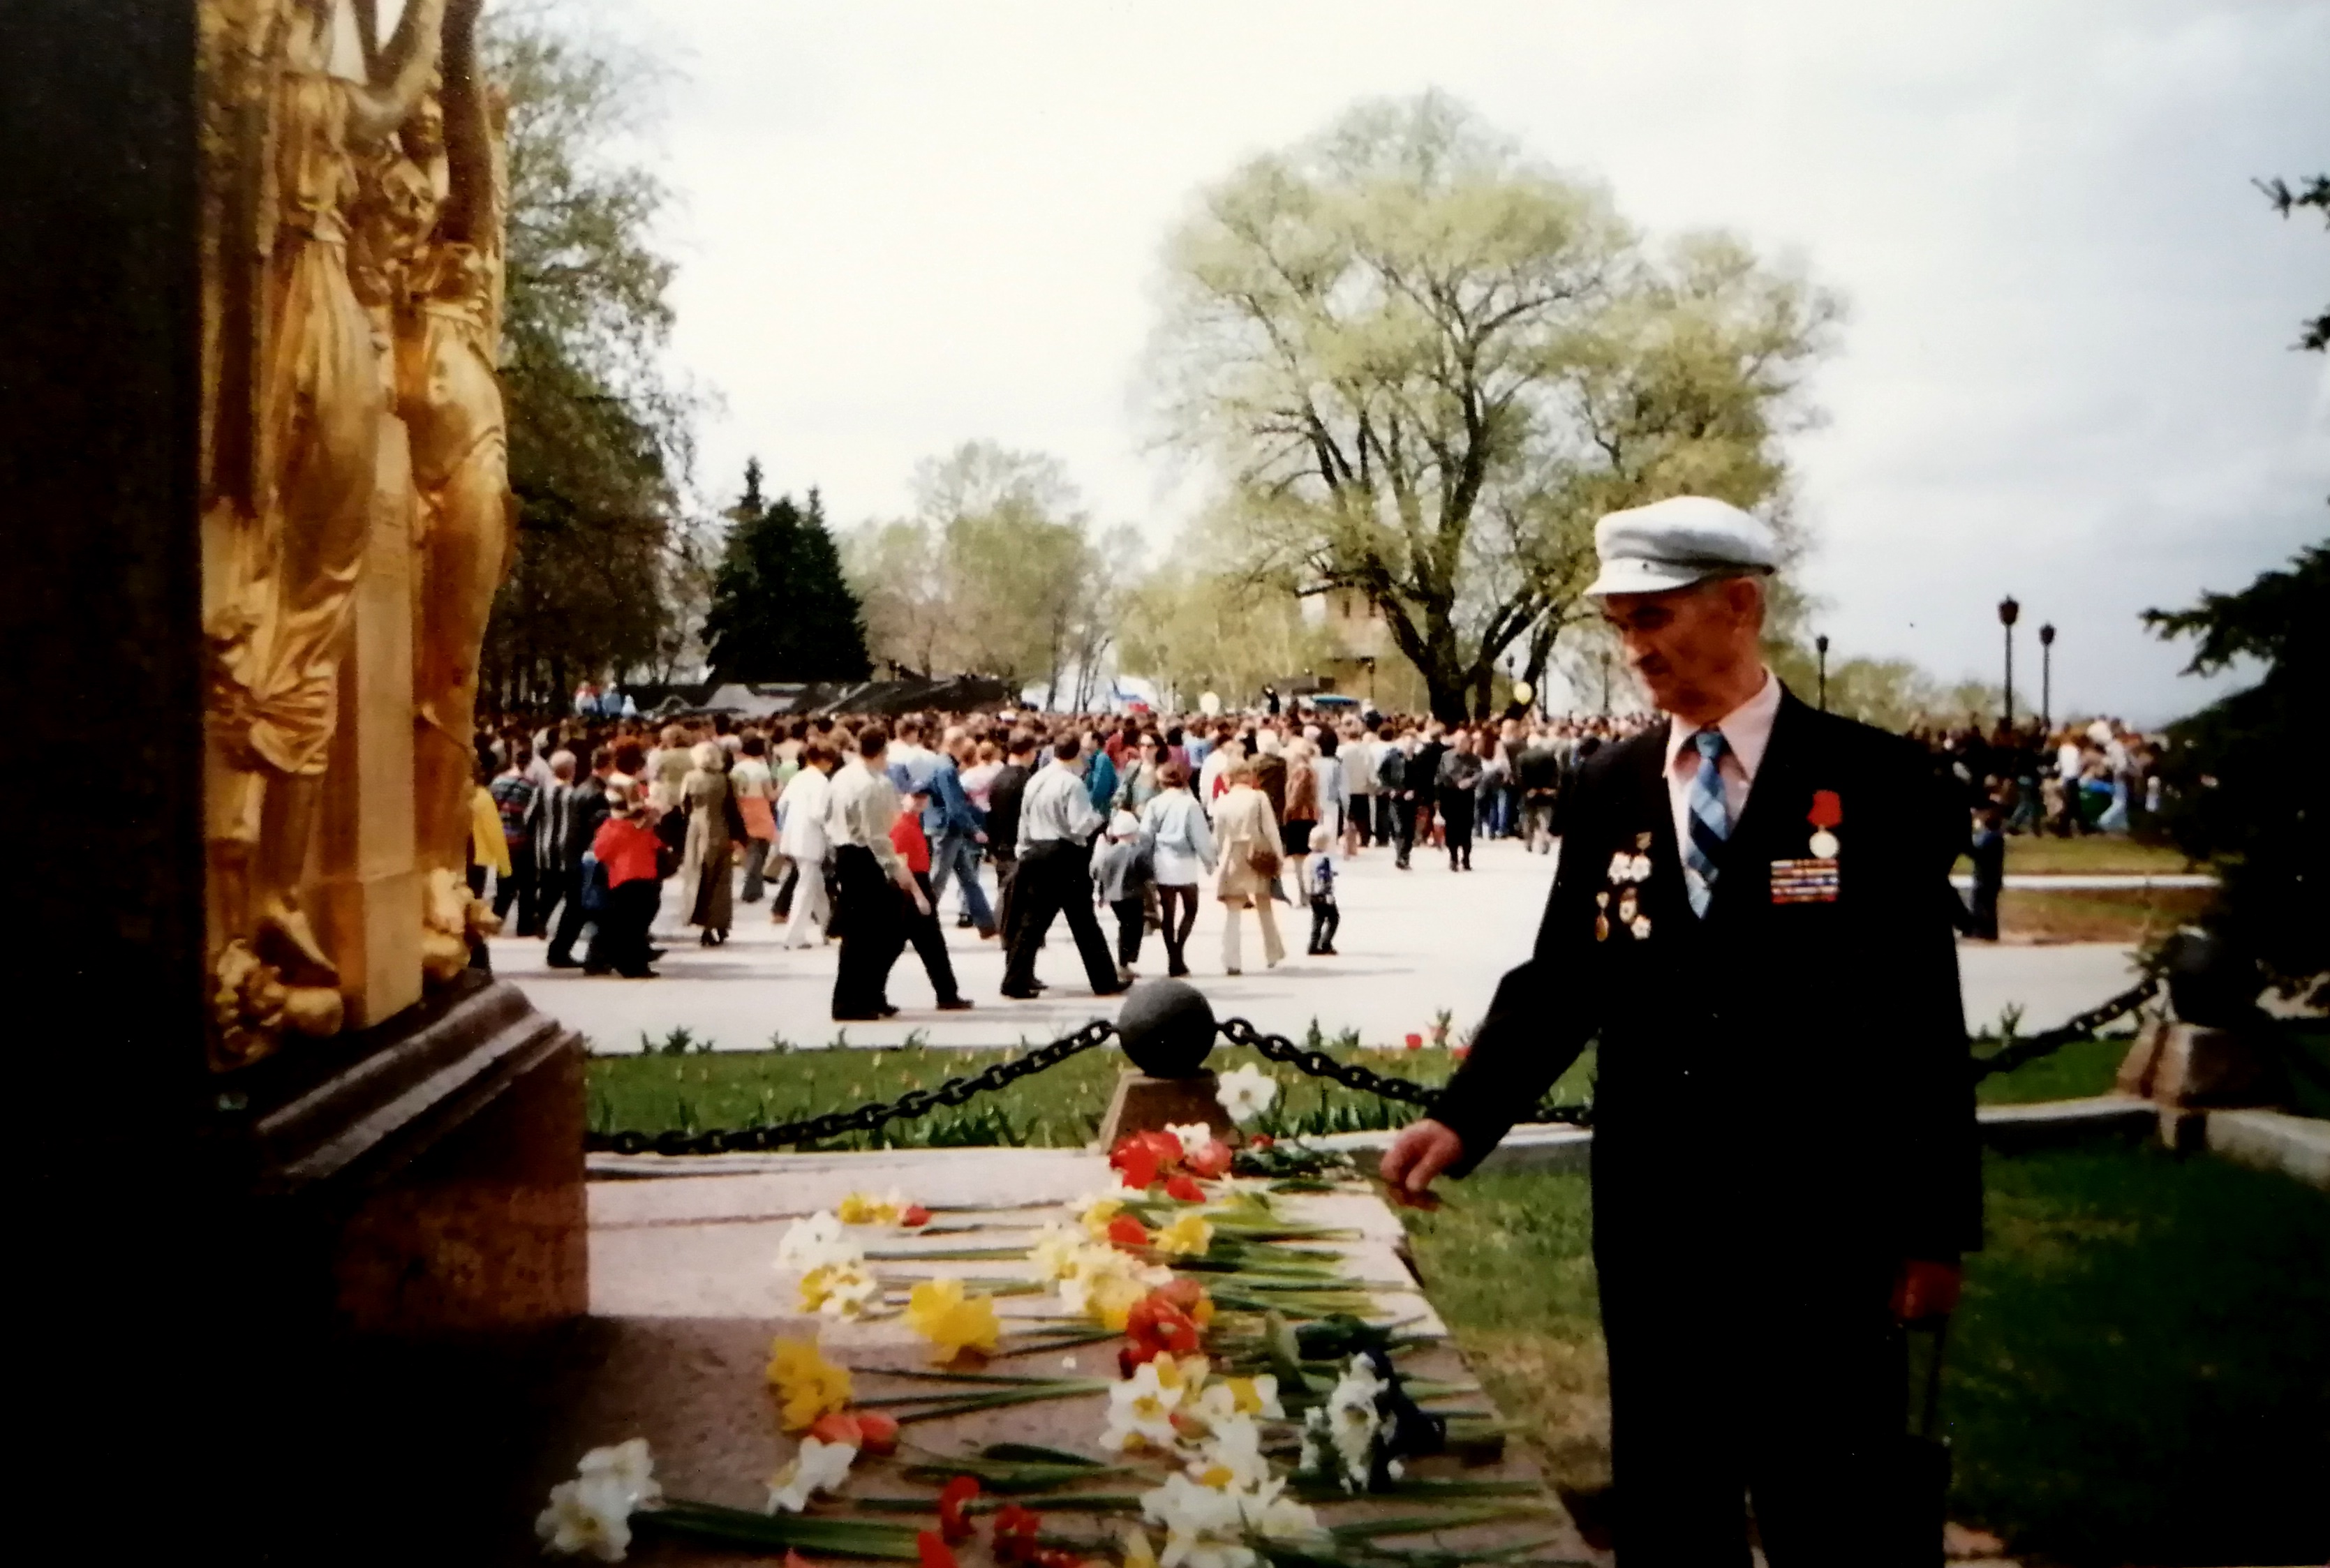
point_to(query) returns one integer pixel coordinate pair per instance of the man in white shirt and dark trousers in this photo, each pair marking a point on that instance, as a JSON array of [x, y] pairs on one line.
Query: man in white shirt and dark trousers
[[875, 885], [1057, 821]]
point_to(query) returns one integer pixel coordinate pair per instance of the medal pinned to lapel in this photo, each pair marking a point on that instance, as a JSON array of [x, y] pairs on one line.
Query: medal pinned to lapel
[[1813, 879], [1826, 813], [1602, 916]]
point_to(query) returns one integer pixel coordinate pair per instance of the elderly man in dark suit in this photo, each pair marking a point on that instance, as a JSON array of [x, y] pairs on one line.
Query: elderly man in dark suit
[[1753, 917]]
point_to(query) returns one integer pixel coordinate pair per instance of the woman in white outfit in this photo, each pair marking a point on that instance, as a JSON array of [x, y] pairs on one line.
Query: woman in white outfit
[[1247, 830], [801, 838], [1176, 825]]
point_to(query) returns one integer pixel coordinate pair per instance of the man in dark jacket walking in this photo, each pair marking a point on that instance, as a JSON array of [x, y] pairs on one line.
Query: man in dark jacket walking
[[1003, 795], [581, 811], [1752, 916]]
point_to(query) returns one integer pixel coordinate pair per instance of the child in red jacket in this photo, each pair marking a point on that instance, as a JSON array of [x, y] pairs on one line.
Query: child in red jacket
[[626, 845], [922, 929]]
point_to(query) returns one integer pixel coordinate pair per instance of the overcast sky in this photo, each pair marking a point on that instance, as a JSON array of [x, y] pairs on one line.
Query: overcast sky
[[2066, 374]]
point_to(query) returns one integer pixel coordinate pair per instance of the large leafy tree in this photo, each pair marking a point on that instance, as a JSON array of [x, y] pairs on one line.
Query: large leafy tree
[[599, 433], [997, 572], [782, 609], [1424, 364], [2312, 192], [2244, 798]]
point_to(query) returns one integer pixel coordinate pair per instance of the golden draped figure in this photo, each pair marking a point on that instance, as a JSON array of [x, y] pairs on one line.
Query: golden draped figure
[[353, 444]]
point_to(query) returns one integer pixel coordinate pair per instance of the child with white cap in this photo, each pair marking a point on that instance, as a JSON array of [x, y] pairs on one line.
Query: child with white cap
[[1122, 870]]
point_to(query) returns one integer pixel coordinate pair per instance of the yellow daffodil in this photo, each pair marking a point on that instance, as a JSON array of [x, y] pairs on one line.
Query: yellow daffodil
[[1096, 1215], [807, 1384], [1138, 1553], [863, 1209], [951, 1318], [1187, 1237], [839, 1290]]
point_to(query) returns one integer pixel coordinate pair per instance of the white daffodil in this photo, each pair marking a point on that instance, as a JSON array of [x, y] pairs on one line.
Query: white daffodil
[[586, 1516], [629, 1465], [592, 1512], [1316, 1444], [840, 1290], [1254, 1396], [1230, 1459], [1141, 1408], [1204, 1527], [1353, 1420], [1054, 1250], [1272, 1514], [816, 1241], [818, 1467], [1245, 1092], [1194, 1135]]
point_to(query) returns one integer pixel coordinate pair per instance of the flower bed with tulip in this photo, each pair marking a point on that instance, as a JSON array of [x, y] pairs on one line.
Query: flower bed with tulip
[[1224, 1370]]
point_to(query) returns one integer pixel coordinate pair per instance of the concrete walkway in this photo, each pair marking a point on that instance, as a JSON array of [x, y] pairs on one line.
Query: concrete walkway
[[1412, 944]]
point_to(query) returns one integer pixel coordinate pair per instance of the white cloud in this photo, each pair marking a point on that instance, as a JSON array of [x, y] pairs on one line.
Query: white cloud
[[909, 224]]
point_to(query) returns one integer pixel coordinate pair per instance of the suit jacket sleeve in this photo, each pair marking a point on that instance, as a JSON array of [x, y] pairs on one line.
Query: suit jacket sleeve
[[1543, 1014], [1940, 1175]]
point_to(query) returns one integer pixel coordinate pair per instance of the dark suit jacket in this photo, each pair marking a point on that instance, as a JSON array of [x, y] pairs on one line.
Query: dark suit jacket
[[1777, 1073]]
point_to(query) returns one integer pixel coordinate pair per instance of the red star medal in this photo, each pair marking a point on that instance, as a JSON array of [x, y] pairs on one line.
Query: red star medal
[[1826, 813]]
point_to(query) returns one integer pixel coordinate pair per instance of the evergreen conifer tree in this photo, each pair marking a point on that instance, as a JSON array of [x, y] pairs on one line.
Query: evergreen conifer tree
[[781, 610]]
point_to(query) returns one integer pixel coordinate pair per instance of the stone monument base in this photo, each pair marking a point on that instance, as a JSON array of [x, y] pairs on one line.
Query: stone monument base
[[412, 1247], [1146, 1104], [2185, 1064]]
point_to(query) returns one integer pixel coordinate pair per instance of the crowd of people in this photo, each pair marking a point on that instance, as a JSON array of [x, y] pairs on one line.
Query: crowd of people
[[2099, 776], [853, 831]]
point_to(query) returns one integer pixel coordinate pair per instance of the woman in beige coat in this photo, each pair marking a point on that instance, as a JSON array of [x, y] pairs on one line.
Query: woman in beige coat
[[712, 821], [1246, 832]]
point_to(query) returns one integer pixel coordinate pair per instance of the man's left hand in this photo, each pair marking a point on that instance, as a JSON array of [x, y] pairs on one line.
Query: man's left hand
[[1926, 1289]]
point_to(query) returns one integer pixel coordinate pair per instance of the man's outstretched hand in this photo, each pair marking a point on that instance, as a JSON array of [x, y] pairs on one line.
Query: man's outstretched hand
[[1422, 1151]]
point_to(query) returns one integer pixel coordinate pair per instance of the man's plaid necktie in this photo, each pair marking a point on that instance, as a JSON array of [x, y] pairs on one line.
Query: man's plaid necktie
[[1711, 821]]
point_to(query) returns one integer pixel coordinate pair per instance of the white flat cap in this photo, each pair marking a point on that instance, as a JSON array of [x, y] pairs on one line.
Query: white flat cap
[[1675, 543]]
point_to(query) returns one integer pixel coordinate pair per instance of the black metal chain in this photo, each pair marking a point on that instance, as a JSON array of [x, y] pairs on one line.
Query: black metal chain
[[955, 1092], [1319, 1064], [832, 1124], [2021, 1049]]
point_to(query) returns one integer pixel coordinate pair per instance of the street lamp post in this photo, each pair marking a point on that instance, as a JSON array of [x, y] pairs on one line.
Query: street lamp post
[[2047, 678], [2008, 611], [1606, 683], [1820, 646]]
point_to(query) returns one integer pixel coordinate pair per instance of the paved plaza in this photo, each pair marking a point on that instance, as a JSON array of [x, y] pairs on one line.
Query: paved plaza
[[1413, 943]]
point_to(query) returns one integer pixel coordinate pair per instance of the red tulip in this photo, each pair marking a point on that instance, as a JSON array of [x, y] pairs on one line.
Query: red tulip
[[934, 1552], [1015, 1532], [1182, 1189], [878, 1431], [1416, 1042], [1213, 1160], [953, 1498], [839, 1426], [913, 1215]]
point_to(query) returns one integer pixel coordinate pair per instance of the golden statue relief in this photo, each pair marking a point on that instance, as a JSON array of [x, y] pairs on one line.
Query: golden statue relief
[[357, 518]]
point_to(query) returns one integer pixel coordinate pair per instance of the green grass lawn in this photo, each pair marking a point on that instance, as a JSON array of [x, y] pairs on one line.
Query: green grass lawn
[[2086, 1067], [1061, 1107], [2140, 1371], [2094, 855]]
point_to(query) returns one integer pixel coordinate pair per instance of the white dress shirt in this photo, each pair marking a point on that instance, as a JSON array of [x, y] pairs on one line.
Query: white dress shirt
[[1057, 806], [1746, 732]]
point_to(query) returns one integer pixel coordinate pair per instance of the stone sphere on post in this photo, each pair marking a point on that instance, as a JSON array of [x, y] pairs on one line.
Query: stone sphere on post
[[1167, 1027]]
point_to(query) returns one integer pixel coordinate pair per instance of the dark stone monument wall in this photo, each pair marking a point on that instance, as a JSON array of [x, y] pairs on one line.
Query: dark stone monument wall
[[99, 404], [299, 1369]]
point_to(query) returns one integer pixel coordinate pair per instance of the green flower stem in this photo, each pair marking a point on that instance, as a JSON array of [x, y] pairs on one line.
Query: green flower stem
[[778, 1532]]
